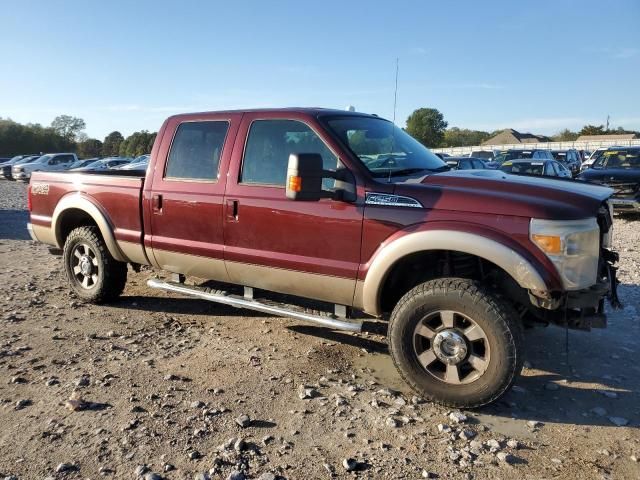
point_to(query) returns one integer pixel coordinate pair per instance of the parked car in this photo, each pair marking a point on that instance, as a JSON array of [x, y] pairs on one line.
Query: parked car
[[19, 163], [50, 162], [544, 168], [441, 155], [103, 164], [139, 163], [4, 159], [294, 201], [484, 154], [569, 158], [594, 157], [5, 167], [618, 168], [83, 163], [465, 163]]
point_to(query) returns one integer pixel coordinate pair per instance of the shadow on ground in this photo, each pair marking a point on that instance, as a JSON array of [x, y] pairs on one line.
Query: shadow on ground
[[13, 225]]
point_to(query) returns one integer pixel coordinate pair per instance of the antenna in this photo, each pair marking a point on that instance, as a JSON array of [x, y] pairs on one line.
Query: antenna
[[393, 126], [395, 92]]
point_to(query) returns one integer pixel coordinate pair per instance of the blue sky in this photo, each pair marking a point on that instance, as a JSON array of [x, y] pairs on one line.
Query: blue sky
[[535, 66]]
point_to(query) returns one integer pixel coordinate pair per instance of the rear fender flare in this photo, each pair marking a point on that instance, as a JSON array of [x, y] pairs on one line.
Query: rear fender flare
[[521, 269], [78, 201]]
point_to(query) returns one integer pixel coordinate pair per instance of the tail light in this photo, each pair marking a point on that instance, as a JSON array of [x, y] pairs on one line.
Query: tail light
[[29, 197]]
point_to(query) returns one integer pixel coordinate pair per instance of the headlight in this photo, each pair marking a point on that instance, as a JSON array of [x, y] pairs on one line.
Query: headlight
[[572, 245]]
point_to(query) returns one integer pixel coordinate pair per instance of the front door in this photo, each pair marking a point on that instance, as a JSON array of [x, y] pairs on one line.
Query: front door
[[309, 249], [186, 198]]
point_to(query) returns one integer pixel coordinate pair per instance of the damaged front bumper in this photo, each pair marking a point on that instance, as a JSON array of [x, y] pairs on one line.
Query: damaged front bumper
[[582, 309]]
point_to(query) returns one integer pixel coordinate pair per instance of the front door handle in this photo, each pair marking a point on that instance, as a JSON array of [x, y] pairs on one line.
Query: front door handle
[[232, 210], [156, 201]]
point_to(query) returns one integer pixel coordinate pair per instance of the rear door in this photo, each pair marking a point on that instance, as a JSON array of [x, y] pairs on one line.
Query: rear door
[[309, 249], [185, 202]]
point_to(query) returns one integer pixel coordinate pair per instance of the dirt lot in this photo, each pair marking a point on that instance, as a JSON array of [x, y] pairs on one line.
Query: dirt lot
[[155, 387]]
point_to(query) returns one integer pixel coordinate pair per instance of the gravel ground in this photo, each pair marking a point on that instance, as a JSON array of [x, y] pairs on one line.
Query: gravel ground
[[156, 386]]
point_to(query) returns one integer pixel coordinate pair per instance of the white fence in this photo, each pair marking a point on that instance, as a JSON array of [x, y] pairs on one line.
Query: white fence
[[589, 146]]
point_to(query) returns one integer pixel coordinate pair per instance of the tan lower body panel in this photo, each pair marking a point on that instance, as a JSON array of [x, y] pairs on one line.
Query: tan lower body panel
[[133, 252], [302, 284], [192, 265], [44, 234]]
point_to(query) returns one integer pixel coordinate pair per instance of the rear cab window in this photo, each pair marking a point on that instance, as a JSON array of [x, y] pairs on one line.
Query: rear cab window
[[196, 150]]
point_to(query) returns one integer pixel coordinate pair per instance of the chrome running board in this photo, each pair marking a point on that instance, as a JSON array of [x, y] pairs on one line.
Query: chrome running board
[[326, 320]]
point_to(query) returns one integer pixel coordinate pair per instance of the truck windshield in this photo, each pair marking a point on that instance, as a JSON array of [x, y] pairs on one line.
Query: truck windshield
[[386, 150]]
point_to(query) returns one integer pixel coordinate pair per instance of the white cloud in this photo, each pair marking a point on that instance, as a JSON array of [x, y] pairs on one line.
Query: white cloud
[[418, 51], [626, 53]]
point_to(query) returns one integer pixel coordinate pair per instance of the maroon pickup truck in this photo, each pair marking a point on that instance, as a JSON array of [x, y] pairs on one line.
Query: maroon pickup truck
[[344, 208]]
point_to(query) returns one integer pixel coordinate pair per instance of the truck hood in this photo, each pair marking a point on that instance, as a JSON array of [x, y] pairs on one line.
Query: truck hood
[[498, 193]]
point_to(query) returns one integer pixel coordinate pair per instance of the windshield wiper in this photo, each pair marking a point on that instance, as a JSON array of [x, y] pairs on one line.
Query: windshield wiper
[[401, 172]]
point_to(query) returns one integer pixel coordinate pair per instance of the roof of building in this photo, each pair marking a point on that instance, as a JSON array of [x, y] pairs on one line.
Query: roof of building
[[511, 136], [616, 136]]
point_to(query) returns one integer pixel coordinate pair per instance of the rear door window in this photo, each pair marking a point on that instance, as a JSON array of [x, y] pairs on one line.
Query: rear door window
[[196, 151], [269, 144]]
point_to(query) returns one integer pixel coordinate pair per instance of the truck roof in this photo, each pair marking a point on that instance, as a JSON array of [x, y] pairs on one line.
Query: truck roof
[[313, 111]]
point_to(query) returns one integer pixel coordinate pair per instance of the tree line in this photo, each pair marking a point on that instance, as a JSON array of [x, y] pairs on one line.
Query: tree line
[[65, 134], [429, 127]]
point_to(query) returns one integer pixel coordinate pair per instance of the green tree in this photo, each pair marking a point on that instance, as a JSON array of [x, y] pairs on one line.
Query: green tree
[[111, 144], [427, 125], [565, 135], [67, 126], [463, 137], [90, 148], [16, 138], [137, 144], [593, 130]]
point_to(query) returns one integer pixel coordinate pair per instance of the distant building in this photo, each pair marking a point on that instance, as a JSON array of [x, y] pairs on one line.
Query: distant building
[[616, 136], [511, 136]]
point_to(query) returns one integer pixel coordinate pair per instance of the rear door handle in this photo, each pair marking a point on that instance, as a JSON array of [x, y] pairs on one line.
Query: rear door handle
[[156, 201], [232, 210]]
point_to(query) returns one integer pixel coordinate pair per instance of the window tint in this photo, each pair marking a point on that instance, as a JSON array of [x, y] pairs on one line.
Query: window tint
[[268, 147], [196, 149], [478, 164], [464, 165]]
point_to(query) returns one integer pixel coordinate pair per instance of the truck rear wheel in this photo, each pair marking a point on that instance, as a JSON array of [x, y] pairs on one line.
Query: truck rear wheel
[[455, 343], [94, 275]]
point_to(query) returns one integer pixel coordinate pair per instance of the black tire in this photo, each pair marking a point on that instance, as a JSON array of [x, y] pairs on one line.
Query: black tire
[[106, 277], [473, 305]]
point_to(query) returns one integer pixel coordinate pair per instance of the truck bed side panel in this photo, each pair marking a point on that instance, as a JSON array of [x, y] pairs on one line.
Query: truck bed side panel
[[117, 198]]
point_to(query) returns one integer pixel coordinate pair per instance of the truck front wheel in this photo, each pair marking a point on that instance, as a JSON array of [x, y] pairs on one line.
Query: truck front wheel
[[456, 343], [94, 275]]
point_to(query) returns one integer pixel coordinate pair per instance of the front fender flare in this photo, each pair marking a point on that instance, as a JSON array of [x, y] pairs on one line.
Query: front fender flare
[[521, 269], [77, 201]]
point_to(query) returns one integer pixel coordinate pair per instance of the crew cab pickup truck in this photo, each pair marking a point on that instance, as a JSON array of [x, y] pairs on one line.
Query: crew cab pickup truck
[[350, 210]]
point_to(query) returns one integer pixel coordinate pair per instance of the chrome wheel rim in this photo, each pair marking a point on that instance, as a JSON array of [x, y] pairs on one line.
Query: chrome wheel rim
[[84, 265], [451, 347]]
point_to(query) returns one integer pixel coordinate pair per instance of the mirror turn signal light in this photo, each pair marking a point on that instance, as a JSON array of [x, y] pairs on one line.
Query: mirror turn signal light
[[295, 183], [548, 243]]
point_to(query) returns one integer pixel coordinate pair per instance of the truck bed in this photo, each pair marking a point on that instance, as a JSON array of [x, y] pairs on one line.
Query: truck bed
[[117, 195]]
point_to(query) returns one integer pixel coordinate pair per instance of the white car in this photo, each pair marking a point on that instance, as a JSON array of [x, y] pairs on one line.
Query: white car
[[51, 162], [104, 164]]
